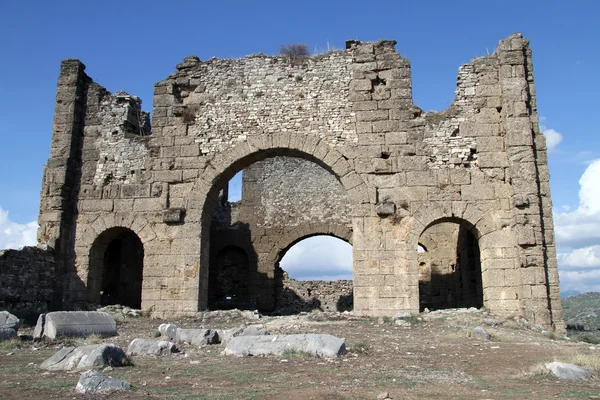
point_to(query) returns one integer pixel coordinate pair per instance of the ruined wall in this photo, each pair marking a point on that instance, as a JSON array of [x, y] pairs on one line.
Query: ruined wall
[[482, 161], [297, 296], [27, 277]]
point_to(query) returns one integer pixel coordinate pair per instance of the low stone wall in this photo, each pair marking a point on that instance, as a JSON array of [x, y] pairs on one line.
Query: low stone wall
[[27, 279], [297, 296]]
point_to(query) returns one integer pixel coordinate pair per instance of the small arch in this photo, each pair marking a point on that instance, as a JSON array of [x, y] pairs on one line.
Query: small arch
[[450, 273], [315, 290], [116, 262]]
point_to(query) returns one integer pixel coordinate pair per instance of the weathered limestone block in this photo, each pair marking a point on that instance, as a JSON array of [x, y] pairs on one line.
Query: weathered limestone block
[[74, 324], [567, 371], [316, 344], [251, 330], [9, 325], [149, 347], [197, 337], [83, 357], [92, 382]]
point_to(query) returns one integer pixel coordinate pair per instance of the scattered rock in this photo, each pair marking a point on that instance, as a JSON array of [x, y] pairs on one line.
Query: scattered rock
[[74, 324], [321, 345], [251, 330], [568, 371], [402, 323], [148, 347], [197, 337], [9, 325], [492, 322], [121, 311], [94, 382], [480, 333], [402, 315], [85, 357]]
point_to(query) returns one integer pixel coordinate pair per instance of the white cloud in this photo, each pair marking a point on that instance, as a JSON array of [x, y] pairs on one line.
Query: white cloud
[[578, 236], [553, 138], [586, 257], [14, 235], [319, 258]]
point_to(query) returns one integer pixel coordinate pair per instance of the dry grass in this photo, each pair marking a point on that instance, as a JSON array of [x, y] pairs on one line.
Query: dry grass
[[591, 361]]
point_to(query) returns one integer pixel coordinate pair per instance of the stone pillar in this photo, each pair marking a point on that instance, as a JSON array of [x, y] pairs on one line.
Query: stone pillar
[[529, 176], [60, 185]]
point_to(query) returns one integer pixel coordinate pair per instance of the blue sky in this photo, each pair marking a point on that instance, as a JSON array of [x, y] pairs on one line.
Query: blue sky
[[131, 45]]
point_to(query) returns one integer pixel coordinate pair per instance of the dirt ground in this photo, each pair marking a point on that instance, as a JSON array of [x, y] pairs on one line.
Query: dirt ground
[[432, 358]]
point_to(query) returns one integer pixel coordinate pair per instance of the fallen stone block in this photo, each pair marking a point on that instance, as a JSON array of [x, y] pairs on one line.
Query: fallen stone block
[[95, 382], [566, 371], [9, 321], [149, 347], [168, 330], [85, 357], [480, 333], [74, 324], [251, 330], [197, 337], [9, 325], [315, 344]]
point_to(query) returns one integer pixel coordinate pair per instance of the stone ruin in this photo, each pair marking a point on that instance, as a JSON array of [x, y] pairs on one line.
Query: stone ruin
[[443, 209]]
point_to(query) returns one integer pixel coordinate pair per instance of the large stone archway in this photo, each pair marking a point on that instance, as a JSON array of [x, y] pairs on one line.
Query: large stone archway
[[263, 285]]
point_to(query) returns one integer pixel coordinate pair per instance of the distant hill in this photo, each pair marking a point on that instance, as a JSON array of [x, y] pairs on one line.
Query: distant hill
[[568, 293], [583, 309]]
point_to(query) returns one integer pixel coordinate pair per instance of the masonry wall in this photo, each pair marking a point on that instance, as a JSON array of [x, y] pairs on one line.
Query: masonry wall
[[295, 296], [482, 161], [27, 277]]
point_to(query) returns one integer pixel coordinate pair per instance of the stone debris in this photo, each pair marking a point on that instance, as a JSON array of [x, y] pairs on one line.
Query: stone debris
[[567, 371], [480, 333], [149, 347], [119, 310], [251, 330], [9, 325], [94, 382], [197, 337], [74, 324], [402, 323], [85, 357], [402, 315], [320, 345]]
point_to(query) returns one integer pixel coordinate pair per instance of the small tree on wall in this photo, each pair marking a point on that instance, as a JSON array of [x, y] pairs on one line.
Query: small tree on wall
[[295, 52]]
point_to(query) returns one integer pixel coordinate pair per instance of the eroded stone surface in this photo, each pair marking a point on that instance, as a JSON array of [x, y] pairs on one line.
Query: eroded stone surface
[[321, 345], [148, 347], [82, 357], [93, 382], [75, 324], [568, 371]]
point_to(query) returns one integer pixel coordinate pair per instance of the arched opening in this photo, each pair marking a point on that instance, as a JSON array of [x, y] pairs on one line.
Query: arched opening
[[315, 273], [228, 280], [281, 189], [116, 269], [449, 266]]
